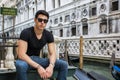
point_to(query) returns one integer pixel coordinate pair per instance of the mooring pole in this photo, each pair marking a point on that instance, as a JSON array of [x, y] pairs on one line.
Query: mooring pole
[[81, 53], [66, 52]]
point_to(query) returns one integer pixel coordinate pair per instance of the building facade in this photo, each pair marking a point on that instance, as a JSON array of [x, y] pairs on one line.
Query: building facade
[[68, 18]]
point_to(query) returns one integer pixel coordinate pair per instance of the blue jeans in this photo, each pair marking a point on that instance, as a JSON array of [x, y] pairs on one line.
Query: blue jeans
[[22, 67]]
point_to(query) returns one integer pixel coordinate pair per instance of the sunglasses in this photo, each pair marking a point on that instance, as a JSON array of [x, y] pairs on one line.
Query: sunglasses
[[44, 20]]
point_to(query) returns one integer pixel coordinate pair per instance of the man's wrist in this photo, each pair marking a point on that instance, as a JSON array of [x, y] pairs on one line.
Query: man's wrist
[[38, 66], [52, 64]]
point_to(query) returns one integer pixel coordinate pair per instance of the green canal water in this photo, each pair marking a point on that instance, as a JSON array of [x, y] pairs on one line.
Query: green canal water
[[100, 68]]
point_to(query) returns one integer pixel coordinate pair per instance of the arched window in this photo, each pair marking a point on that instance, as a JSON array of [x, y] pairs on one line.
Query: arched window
[[103, 26], [85, 28], [73, 30], [61, 32]]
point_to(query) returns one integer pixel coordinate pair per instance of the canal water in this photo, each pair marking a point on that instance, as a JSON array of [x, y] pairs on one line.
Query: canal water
[[98, 67]]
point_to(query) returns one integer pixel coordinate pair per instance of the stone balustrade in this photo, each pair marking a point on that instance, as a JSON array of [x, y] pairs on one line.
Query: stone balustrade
[[101, 46]]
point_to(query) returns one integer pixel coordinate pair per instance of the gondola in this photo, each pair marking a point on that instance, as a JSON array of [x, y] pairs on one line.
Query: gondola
[[81, 74], [115, 69]]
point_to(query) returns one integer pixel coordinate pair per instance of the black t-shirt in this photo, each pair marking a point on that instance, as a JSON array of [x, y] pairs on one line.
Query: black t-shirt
[[35, 44]]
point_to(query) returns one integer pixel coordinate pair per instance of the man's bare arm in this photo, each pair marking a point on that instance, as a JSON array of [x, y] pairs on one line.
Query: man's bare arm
[[52, 53], [52, 59], [22, 48]]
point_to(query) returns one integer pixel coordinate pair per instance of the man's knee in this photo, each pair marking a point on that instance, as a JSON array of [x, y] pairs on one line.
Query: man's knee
[[64, 64], [21, 65]]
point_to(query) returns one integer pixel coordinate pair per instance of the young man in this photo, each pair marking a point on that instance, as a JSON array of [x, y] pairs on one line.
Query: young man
[[32, 40]]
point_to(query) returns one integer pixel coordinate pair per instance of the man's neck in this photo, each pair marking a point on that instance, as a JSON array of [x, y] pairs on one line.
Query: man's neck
[[38, 32]]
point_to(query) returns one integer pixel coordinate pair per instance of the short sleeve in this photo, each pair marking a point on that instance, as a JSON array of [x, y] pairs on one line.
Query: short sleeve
[[50, 37], [24, 35]]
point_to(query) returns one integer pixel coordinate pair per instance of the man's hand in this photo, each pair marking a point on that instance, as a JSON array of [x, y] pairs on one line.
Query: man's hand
[[49, 70], [42, 72]]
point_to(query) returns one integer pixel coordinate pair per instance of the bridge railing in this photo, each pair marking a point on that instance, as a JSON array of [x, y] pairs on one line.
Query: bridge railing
[[101, 46]]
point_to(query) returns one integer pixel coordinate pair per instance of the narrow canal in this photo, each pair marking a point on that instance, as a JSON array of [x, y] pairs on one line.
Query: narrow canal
[[100, 68]]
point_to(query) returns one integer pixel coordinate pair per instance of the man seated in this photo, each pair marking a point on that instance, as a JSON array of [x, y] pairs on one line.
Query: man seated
[[32, 40]]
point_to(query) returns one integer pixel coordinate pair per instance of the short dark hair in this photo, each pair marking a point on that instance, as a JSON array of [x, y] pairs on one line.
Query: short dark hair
[[42, 12]]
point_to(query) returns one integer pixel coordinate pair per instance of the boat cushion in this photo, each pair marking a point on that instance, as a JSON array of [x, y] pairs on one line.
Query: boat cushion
[[116, 68]]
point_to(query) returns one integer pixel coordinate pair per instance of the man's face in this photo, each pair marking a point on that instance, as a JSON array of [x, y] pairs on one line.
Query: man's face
[[41, 21]]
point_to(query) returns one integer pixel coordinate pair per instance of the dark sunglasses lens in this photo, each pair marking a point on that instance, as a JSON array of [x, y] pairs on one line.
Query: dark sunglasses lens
[[40, 20], [45, 21]]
